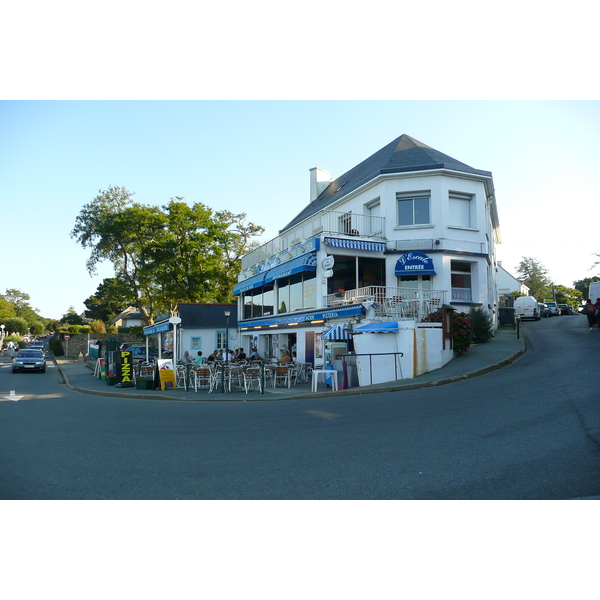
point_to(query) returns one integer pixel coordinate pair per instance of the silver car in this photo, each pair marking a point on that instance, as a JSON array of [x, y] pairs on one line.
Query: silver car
[[553, 310], [29, 360]]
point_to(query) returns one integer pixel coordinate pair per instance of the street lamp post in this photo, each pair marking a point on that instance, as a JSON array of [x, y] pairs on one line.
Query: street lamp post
[[227, 313], [174, 321]]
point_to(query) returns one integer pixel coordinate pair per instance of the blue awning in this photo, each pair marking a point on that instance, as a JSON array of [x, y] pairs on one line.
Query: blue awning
[[249, 284], [291, 267], [387, 327], [356, 244], [336, 332]]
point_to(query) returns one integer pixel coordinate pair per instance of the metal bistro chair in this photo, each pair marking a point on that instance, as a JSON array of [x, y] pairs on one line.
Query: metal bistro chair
[[180, 376], [282, 374], [202, 377], [251, 376]]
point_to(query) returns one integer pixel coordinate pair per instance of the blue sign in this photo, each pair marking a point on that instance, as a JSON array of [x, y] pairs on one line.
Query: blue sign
[[306, 318], [415, 263]]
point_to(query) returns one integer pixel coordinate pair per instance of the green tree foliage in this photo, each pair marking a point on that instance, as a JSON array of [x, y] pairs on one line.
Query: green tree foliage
[[565, 295], [112, 296], [37, 328], [7, 310], [71, 318], [483, 325], [535, 276], [583, 285], [16, 325], [165, 255]]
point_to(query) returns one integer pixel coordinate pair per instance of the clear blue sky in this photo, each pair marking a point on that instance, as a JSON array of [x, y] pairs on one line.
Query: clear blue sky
[[255, 156]]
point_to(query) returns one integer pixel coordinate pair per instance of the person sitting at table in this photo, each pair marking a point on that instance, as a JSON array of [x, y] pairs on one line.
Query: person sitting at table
[[254, 356], [241, 355], [286, 358], [199, 360], [213, 357], [187, 359], [220, 355]]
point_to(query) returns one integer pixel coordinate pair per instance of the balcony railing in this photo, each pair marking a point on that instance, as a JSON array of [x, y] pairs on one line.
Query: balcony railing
[[327, 222], [391, 302]]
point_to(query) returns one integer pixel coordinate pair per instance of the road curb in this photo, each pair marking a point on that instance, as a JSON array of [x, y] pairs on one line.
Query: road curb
[[349, 392]]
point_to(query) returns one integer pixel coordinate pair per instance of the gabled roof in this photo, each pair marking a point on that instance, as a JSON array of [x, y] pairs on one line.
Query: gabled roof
[[403, 155], [207, 316]]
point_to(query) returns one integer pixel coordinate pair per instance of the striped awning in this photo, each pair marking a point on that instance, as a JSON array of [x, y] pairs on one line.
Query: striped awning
[[356, 244], [337, 332], [291, 267], [249, 284]]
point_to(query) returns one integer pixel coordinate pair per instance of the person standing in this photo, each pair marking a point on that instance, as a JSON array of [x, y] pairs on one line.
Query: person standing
[[589, 310]]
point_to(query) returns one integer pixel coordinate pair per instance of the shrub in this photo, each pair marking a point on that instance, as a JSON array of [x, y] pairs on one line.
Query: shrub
[[136, 329], [98, 327], [461, 329], [75, 329], [85, 329], [112, 329], [483, 325], [56, 347]]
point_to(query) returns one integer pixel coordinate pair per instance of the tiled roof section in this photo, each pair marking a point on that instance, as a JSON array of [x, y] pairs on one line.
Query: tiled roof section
[[207, 316], [403, 155]]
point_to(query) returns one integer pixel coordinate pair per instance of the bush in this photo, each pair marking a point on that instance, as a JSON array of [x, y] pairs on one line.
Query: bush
[[75, 329], [483, 325], [98, 327], [112, 329], [136, 329], [462, 330], [85, 329], [56, 347]]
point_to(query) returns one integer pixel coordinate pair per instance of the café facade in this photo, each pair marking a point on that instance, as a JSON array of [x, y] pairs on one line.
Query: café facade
[[398, 236]]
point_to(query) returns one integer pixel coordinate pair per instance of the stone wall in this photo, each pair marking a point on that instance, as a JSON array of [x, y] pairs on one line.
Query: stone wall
[[78, 343]]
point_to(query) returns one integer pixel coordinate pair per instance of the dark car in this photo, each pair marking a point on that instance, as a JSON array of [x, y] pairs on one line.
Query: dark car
[[138, 352], [29, 360], [565, 309]]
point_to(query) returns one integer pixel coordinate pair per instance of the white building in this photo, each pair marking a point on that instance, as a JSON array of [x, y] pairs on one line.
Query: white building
[[507, 284], [392, 239]]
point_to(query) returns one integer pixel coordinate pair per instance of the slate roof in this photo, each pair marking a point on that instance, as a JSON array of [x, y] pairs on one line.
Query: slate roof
[[403, 155], [207, 316]]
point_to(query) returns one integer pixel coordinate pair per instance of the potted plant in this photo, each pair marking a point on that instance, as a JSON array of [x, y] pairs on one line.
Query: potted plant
[[339, 293]]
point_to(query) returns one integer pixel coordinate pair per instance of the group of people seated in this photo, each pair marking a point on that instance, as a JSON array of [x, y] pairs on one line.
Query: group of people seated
[[220, 356]]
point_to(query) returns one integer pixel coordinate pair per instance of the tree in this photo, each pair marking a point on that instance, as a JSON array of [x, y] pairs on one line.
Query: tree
[[535, 276], [7, 309], [165, 255], [16, 325], [72, 318], [112, 296], [583, 285], [565, 295]]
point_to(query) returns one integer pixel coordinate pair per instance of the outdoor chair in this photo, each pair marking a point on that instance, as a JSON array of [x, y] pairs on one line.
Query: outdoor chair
[[282, 374], [251, 376]]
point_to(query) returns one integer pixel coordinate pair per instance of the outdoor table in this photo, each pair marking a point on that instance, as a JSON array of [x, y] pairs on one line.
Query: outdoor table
[[325, 373]]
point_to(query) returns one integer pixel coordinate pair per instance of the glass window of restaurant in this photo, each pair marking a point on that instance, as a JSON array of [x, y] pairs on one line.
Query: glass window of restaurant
[[460, 273], [353, 272], [297, 292]]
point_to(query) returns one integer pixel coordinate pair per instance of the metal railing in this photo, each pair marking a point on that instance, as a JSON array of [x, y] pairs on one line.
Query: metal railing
[[327, 222], [397, 364], [398, 303]]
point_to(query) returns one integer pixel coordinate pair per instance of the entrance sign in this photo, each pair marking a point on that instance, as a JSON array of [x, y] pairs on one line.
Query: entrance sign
[[415, 263]]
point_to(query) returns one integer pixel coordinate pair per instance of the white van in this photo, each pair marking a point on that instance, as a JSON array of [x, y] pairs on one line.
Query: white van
[[527, 307], [594, 292]]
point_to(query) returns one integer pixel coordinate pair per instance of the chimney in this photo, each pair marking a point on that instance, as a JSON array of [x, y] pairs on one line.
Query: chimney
[[319, 180]]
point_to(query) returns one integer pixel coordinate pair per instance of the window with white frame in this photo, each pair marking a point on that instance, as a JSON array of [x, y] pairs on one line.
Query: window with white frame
[[221, 340], [460, 274], [461, 207], [413, 208]]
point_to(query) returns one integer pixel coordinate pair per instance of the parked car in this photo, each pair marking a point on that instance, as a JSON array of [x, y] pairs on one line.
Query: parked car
[[29, 360], [37, 346], [565, 309], [544, 310], [138, 352], [554, 311]]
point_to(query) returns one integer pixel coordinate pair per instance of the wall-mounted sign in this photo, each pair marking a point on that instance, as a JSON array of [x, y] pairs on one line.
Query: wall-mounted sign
[[415, 263], [328, 262], [328, 273]]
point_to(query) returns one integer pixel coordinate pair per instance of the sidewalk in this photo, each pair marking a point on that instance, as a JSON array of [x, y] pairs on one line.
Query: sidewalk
[[501, 351]]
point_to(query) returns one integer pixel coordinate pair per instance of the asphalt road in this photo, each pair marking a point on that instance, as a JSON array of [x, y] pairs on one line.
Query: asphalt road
[[528, 431]]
